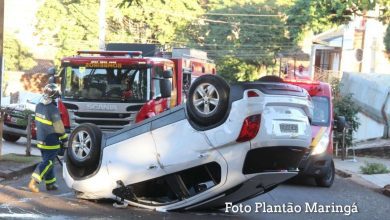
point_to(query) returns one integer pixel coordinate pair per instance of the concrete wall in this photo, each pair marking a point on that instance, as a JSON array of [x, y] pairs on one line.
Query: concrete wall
[[371, 93], [369, 128]]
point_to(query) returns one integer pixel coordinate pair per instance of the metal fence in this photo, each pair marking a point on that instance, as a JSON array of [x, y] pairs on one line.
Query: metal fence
[[326, 75]]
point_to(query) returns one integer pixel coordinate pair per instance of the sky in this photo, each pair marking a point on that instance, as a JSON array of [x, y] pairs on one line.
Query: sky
[[19, 19]]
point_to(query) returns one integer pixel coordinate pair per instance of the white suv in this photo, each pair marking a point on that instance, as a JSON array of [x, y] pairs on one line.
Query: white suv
[[226, 144]]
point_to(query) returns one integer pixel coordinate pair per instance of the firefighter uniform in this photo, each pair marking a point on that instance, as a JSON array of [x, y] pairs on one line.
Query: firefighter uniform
[[50, 135]]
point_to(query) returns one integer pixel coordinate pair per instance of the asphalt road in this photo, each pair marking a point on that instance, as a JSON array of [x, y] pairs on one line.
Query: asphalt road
[[17, 202]]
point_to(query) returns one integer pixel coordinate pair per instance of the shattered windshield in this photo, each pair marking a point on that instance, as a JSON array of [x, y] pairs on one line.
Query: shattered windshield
[[105, 84]]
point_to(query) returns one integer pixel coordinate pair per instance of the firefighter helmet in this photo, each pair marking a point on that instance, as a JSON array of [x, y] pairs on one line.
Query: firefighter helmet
[[52, 91]]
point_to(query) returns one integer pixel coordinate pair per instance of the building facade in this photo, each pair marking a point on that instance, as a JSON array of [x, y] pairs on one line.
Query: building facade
[[354, 47]]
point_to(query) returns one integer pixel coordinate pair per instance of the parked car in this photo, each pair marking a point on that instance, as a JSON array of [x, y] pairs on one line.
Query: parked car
[[226, 144], [16, 119], [318, 162]]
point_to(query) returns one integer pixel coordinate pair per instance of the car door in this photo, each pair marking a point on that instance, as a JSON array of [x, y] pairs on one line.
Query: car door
[[178, 145], [131, 155]]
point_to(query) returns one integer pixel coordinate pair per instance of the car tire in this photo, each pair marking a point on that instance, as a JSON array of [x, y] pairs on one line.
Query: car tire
[[84, 145], [327, 180], [11, 137], [208, 100]]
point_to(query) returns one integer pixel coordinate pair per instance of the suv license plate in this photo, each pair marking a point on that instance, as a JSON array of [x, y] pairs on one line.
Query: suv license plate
[[289, 128]]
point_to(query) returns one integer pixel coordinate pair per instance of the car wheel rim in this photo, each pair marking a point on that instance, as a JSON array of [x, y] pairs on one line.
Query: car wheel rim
[[81, 145], [206, 99]]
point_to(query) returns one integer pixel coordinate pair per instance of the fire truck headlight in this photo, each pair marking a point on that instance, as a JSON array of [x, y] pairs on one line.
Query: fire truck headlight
[[322, 145]]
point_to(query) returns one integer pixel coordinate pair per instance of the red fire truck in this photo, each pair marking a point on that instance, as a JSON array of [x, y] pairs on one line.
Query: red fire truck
[[318, 163], [115, 88]]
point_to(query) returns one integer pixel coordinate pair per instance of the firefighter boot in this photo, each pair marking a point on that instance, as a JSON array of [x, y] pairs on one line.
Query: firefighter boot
[[52, 186], [33, 186]]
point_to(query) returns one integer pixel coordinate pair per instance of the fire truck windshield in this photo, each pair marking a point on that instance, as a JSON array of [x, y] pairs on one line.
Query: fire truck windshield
[[321, 114], [105, 84]]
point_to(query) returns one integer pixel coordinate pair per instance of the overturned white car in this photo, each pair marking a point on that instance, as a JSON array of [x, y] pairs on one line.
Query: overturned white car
[[226, 144]]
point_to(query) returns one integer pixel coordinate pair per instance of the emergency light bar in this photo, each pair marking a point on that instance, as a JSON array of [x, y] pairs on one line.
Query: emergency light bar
[[311, 86], [111, 53], [302, 81]]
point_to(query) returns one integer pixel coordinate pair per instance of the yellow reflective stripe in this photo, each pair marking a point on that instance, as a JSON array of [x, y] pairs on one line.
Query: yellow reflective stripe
[[46, 168], [53, 147], [63, 136], [51, 181], [36, 177], [44, 121], [318, 137]]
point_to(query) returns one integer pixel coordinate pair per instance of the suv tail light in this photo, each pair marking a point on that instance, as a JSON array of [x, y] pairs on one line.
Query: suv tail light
[[250, 128], [252, 93], [64, 114]]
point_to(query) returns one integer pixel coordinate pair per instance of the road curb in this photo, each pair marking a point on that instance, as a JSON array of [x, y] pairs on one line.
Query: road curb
[[11, 173], [343, 173], [386, 190], [357, 179]]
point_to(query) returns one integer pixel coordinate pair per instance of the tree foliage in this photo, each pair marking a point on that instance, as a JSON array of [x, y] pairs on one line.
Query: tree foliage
[[231, 32], [68, 25], [17, 57], [216, 26], [387, 39], [320, 15], [345, 106], [72, 25], [233, 70], [149, 21]]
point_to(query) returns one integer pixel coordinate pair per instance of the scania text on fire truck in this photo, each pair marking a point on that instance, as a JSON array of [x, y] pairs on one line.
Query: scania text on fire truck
[[115, 88]]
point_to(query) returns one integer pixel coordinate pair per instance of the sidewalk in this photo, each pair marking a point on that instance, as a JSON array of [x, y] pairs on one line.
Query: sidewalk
[[14, 162], [18, 147], [352, 167]]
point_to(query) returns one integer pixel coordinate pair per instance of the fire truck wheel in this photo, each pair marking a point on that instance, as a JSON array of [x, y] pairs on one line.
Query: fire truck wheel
[[84, 145], [208, 100], [10, 137], [327, 180]]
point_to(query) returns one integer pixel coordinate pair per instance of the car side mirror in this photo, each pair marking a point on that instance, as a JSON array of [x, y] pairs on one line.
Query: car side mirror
[[167, 74], [340, 123], [165, 88]]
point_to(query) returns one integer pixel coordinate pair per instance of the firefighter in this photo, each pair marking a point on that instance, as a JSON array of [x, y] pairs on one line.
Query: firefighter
[[51, 137]]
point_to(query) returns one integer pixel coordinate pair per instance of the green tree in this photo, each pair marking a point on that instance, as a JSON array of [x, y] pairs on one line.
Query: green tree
[[68, 25], [251, 33], [387, 39], [233, 70], [345, 106], [72, 25], [150, 21], [16, 56], [320, 15]]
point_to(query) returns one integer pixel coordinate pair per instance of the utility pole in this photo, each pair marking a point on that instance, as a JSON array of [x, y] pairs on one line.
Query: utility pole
[[1, 70], [102, 25], [1, 45]]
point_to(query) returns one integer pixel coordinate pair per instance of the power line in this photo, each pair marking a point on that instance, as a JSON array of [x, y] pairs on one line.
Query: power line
[[247, 24], [186, 16], [245, 15]]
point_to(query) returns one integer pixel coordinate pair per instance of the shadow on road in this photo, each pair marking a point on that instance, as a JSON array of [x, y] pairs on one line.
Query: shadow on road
[[301, 181]]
